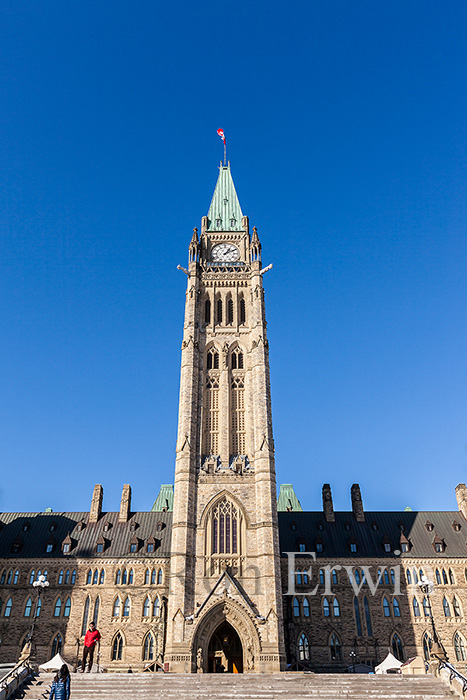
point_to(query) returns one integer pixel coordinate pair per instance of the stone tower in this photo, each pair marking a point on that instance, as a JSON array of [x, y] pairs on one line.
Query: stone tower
[[225, 601]]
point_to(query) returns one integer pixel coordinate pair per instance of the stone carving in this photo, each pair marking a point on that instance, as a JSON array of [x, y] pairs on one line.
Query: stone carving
[[199, 660], [250, 658]]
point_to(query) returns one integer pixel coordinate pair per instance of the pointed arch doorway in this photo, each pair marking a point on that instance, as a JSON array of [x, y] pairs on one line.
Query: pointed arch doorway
[[225, 653]]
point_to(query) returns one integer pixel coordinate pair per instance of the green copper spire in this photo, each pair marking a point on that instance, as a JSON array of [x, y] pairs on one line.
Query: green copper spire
[[165, 499], [287, 499], [225, 213]]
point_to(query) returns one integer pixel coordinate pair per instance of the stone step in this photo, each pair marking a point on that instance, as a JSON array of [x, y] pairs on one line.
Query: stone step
[[293, 686]]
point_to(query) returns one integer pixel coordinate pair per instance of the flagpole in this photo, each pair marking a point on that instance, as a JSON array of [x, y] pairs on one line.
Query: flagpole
[[225, 152]]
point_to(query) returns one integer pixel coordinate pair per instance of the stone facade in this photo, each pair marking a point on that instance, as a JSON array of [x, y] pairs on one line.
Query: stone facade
[[218, 576]]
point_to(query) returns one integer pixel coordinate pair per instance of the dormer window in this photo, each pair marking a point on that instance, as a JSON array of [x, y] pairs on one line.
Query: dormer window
[[134, 545], [53, 527], [387, 547], [353, 547], [456, 526], [319, 547], [49, 545], [107, 526], [66, 548], [150, 545], [374, 526], [100, 545], [320, 527], [233, 221], [160, 526], [347, 527], [429, 526], [133, 526], [401, 527], [218, 222], [404, 547], [293, 527], [25, 527], [80, 526]]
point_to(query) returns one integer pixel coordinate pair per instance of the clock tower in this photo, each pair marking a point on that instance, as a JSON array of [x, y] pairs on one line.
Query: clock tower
[[225, 601]]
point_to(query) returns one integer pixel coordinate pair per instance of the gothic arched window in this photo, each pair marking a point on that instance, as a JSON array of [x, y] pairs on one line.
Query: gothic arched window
[[326, 608], [159, 577], [445, 578], [416, 607], [15, 580], [456, 607], [148, 648], [156, 608], [238, 415], [117, 647], [225, 528], [207, 311], [67, 609], [89, 578], [408, 576], [426, 646], [58, 607], [219, 310], [230, 311], [124, 577], [438, 577], [426, 607], [60, 577], [459, 647], [97, 604], [147, 576], [336, 608], [303, 648], [153, 577], [446, 608], [236, 360], [296, 607], [451, 577], [84, 626], [386, 608], [242, 311], [395, 608], [306, 608], [335, 647], [57, 645], [28, 607], [397, 648], [126, 607], [211, 440], [95, 578], [212, 359], [8, 606], [116, 608], [146, 607], [73, 577]]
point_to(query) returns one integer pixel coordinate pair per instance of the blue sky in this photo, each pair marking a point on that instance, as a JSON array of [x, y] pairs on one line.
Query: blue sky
[[346, 128]]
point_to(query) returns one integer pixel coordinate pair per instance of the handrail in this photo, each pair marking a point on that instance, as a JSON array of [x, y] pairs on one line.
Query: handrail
[[453, 673], [15, 674]]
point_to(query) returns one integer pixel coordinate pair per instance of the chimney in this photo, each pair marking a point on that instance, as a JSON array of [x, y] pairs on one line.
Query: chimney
[[328, 508], [461, 495], [96, 504], [357, 503], [125, 504]]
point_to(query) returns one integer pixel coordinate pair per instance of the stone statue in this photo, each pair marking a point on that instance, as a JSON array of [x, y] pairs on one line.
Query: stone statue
[[250, 659], [199, 661]]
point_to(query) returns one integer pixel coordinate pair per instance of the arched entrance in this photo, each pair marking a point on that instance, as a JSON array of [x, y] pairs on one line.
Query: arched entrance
[[225, 654]]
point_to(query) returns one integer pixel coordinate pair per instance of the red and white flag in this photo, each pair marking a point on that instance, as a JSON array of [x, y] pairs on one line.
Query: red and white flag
[[221, 134]]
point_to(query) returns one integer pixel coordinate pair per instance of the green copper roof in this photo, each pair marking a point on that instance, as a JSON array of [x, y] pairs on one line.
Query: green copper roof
[[165, 499], [225, 213], [287, 499]]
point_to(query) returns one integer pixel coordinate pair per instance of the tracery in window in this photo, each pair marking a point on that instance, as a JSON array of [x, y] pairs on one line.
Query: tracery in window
[[456, 607], [296, 607], [117, 647], [57, 645], [211, 430], [397, 648], [459, 647], [396, 608], [225, 528], [303, 648], [212, 359], [148, 648], [236, 359], [238, 431], [84, 626], [426, 646], [335, 646], [416, 607], [446, 608]]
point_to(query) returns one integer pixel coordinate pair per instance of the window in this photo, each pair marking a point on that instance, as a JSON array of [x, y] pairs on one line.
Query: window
[[366, 606], [89, 577], [233, 222], [303, 648], [147, 577], [306, 607], [15, 580], [426, 607], [60, 577], [335, 647], [212, 361], [357, 577], [336, 608], [225, 518], [353, 547], [84, 626], [95, 578], [326, 608], [117, 648], [242, 311], [446, 608], [31, 578], [126, 607], [58, 607], [219, 310], [2, 579], [319, 547], [8, 606], [146, 607], [321, 576], [131, 576], [10, 577], [393, 576], [416, 607], [99, 547], [386, 608], [395, 608], [67, 609], [116, 608], [426, 647], [148, 649], [386, 576], [207, 311], [237, 414], [387, 546], [97, 604], [299, 577], [296, 607], [230, 311], [408, 576], [459, 647], [358, 622], [133, 547], [438, 577], [118, 577], [102, 577], [439, 547], [404, 547], [218, 223], [397, 649], [445, 578], [73, 577], [150, 547], [57, 645], [451, 577], [38, 607], [49, 547], [334, 576], [156, 608], [456, 607], [124, 577], [211, 425], [302, 547], [28, 608], [153, 576]]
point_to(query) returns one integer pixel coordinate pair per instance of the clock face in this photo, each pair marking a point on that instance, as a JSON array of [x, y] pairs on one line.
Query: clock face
[[225, 252]]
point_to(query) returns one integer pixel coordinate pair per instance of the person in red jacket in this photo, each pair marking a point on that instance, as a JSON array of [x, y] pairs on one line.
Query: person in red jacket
[[91, 639]]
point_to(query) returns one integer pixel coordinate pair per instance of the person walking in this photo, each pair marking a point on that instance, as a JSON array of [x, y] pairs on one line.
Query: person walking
[[60, 689], [91, 639]]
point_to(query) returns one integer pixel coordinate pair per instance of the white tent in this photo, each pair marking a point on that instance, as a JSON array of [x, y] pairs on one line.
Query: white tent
[[55, 664], [390, 663]]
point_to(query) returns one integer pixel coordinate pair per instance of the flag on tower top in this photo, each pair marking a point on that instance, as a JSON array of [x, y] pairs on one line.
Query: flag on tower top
[[221, 134]]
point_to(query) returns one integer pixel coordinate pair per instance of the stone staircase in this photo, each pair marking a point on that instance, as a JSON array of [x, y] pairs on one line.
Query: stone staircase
[[290, 686]]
